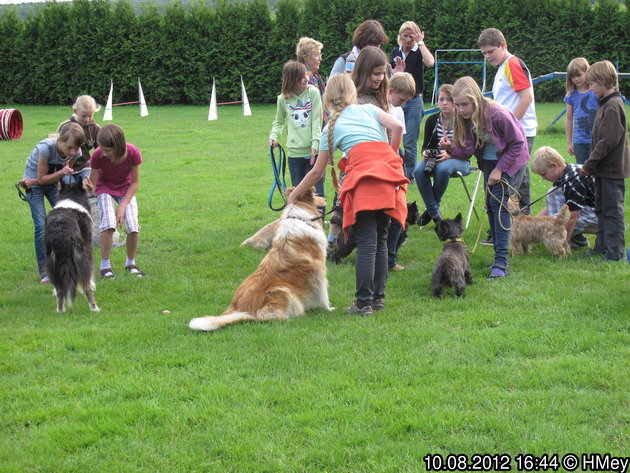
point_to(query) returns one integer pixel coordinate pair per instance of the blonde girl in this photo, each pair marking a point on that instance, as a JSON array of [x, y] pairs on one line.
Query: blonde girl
[[374, 188], [437, 126], [299, 107], [83, 111], [582, 105], [49, 162], [116, 179], [495, 136]]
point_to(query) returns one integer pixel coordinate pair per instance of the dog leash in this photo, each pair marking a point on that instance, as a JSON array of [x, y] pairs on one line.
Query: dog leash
[[19, 186], [478, 236], [279, 170], [505, 185], [553, 189]]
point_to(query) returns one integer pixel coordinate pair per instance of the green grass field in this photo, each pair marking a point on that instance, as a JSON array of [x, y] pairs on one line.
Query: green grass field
[[536, 363]]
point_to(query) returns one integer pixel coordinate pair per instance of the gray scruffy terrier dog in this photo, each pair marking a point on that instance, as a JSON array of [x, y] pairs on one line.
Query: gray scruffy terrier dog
[[452, 268]]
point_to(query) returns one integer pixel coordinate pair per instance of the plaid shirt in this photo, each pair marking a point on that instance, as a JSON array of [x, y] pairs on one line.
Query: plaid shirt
[[579, 191]]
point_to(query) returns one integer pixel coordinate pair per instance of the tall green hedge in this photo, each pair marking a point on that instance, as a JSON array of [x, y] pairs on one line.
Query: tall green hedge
[[66, 49]]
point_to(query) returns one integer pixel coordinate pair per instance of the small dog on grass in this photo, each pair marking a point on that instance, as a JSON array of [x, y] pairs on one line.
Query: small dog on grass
[[452, 268], [290, 279], [69, 263], [529, 229]]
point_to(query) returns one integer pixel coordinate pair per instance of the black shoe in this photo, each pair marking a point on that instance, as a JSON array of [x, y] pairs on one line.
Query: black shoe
[[606, 259], [424, 219], [594, 252]]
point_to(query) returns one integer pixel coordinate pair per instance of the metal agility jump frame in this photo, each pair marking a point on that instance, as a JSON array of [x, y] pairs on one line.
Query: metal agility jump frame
[[436, 82]]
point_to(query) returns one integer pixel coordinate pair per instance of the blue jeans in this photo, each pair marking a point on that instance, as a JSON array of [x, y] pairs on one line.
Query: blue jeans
[[582, 151], [432, 193], [498, 214], [300, 167], [36, 201], [414, 111]]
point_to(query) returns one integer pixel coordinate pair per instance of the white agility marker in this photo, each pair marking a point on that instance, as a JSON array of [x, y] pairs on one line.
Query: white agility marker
[[212, 114], [246, 110], [143, 104], [108, 108]]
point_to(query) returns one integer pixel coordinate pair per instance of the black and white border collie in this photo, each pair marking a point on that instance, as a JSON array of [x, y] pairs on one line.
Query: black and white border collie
[[69, 263]]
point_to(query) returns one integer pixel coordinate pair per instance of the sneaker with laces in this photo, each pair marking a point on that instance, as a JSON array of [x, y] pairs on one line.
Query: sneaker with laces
[[378, 304], [354, 309]]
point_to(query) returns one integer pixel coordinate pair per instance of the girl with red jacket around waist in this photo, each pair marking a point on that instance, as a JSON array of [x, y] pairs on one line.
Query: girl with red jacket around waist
[[495, 136], [374, 189]]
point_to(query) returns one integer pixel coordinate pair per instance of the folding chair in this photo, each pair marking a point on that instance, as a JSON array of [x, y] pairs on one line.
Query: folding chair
[[472, 198]]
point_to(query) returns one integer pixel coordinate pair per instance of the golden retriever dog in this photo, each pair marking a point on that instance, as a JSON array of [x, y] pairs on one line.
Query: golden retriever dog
[[290, 279], [550, 231]]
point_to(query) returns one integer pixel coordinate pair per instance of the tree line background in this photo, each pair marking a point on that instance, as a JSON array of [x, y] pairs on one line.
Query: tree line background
[[66, 49]]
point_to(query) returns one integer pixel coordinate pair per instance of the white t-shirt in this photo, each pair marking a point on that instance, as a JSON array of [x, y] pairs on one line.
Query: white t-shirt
[[512, 77], [399, 114]]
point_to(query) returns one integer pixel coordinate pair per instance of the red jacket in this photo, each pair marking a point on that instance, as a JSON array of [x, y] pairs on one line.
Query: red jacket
[[374, 181]]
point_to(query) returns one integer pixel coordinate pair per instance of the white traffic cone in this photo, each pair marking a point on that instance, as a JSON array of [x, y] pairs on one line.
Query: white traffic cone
[[246, 110], [212, 114], [143, 104], [108, 108]]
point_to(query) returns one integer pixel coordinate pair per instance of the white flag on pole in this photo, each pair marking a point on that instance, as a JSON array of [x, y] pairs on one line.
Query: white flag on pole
[[143, 104], [246, 110], [212, 114], [108, 108]]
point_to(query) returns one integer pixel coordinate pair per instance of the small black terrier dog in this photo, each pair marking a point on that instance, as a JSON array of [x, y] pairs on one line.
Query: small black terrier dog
[[343, 248], [452, 268]]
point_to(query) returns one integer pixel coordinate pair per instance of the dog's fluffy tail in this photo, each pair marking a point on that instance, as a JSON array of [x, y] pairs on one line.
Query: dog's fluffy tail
[[210, 323], [65, 271], [563, 216]]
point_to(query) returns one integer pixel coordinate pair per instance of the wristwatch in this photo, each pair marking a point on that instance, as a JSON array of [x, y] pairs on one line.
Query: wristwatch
[[420, 43]]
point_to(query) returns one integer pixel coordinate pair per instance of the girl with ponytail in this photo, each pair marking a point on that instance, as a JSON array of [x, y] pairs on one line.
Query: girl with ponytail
[[374, 189]]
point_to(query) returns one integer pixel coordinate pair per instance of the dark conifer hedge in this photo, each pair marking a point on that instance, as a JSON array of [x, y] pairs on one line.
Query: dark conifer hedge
[[66, 49]]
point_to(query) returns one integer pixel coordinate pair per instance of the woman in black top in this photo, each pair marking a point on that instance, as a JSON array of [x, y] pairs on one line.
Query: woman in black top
[[411, 56]]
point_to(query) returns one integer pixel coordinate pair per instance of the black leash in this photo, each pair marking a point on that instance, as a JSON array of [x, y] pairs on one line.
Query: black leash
[[19, 186], [552, 190], [279, 170]]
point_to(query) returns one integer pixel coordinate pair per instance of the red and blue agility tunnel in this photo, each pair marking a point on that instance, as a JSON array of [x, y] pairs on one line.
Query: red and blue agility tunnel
[[10, 124]]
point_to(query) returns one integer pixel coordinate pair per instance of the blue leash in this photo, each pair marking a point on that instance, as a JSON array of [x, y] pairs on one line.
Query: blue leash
[[279, 169]]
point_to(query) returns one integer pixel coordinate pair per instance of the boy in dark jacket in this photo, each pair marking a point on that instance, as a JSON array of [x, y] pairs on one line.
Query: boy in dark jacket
[[609, 162]]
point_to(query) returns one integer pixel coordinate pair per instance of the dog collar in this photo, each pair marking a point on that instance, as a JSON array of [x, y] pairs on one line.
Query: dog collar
[[314, 219], [453, 240]]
